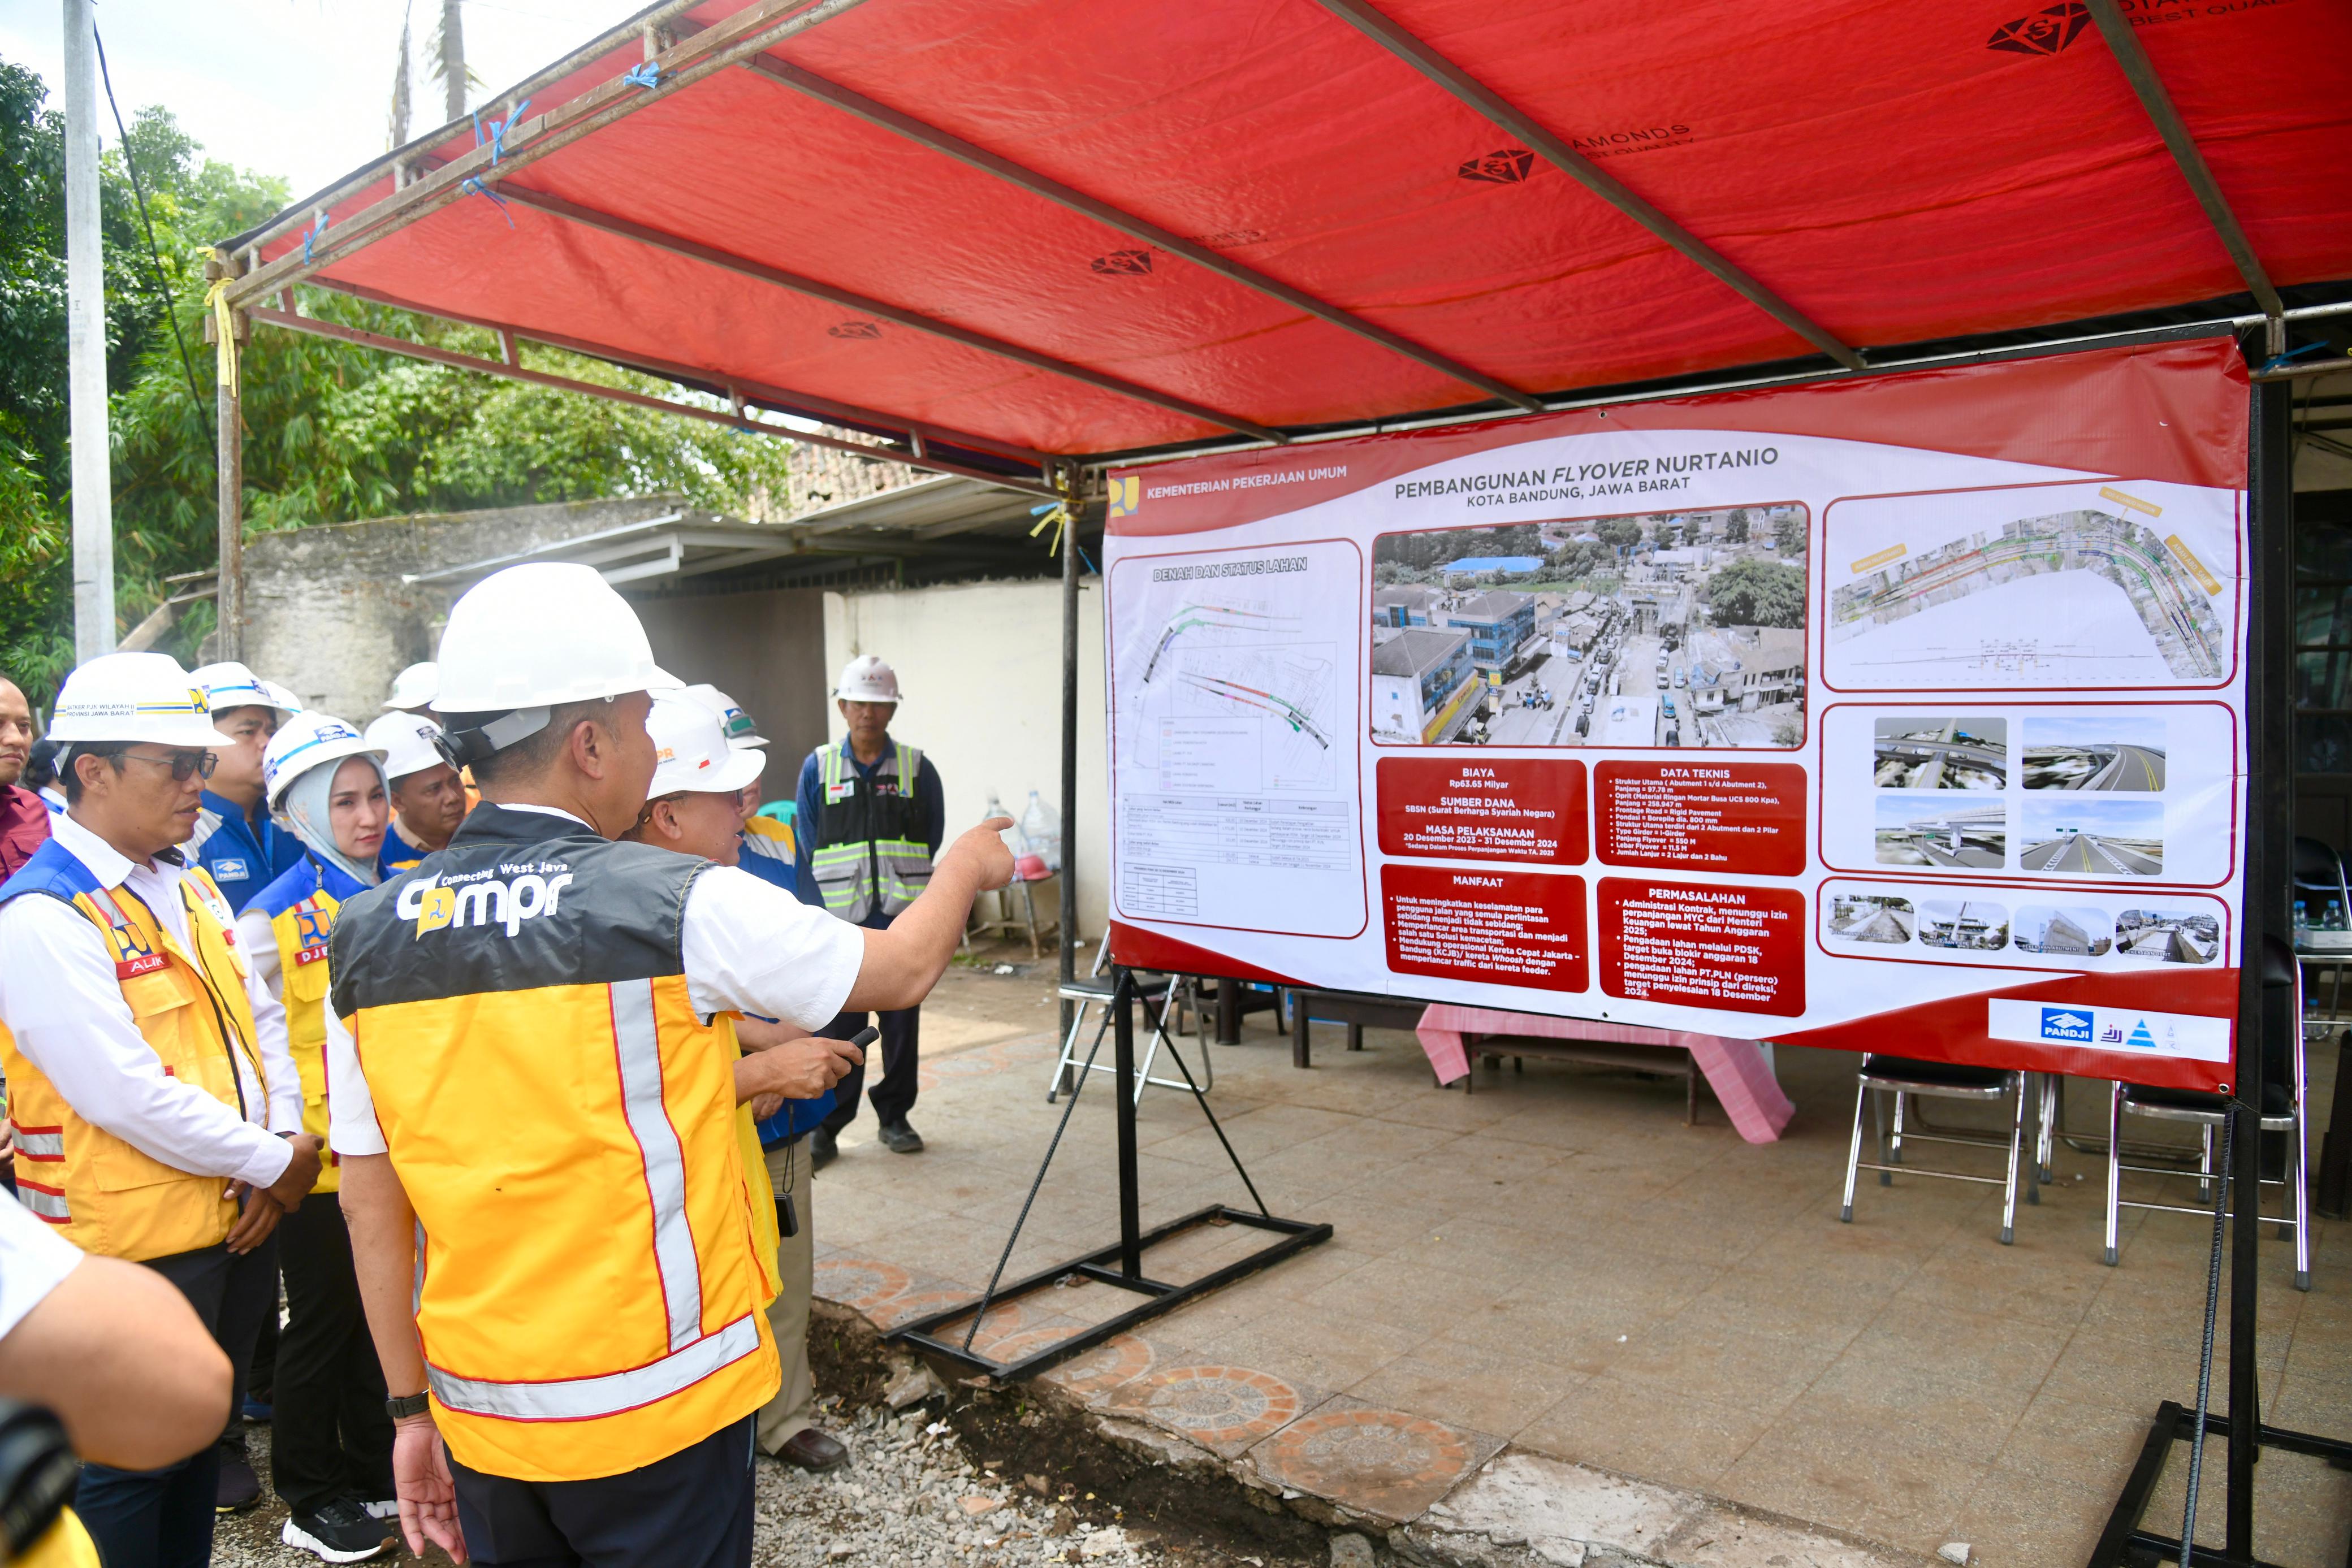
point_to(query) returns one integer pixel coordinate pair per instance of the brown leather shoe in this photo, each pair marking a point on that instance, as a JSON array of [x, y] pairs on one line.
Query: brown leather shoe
[[810, 1449]]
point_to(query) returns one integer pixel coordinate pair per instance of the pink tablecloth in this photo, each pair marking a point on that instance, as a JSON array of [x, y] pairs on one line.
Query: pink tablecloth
[[1735, 1069]]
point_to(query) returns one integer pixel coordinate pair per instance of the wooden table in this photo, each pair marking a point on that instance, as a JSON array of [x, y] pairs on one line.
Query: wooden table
[[1355, 1008]]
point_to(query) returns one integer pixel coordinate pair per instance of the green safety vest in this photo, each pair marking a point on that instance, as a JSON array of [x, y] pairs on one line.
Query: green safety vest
[[868, 852]]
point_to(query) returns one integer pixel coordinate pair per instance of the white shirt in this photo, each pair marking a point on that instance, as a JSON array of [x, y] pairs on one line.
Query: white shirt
[[747, 946], [60, 997], [33, 1261]]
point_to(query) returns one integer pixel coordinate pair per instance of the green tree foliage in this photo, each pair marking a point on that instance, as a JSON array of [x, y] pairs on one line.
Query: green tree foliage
[[1735, 527], [1757, 594], [333, 432], [1622, 533], [1788, 533]]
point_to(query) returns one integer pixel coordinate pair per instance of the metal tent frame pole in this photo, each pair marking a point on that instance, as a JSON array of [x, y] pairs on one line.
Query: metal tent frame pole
[[1120, 1263], [2265, 1013]]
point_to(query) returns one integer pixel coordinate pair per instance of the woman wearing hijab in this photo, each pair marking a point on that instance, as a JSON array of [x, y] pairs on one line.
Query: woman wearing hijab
[[332, 1458]]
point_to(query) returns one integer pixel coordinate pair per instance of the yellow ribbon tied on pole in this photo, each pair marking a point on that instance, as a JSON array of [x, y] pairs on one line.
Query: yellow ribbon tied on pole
[[224, 328]]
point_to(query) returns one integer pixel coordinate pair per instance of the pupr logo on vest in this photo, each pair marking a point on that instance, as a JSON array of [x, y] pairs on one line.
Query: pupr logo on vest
[[481, 898]]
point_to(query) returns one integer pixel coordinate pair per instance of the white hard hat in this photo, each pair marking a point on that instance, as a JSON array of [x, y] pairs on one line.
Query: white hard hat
[[691, 753], [306, 741], [283, 696], [415, 686], [539, 635], [230, 684], [134, 698], [406, 740], [867, 679], [741, 733]]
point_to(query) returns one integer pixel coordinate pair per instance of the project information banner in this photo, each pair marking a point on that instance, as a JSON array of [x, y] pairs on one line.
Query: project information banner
[[1900, 713]]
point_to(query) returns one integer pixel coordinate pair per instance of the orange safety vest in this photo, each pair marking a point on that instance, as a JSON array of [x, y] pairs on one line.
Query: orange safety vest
[[591, 1275], [103, 1193]]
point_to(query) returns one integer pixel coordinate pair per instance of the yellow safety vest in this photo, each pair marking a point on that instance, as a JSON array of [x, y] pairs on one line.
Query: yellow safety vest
[[103, 1193], [301, 932], [592, 1270]]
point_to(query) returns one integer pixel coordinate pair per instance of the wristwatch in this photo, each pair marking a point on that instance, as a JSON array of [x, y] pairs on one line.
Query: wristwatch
[[401, 1406]]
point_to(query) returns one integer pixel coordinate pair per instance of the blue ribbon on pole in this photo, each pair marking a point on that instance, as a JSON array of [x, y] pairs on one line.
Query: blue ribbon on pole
[[313, 233], [473, 184], [2275, 361], [646, 75]]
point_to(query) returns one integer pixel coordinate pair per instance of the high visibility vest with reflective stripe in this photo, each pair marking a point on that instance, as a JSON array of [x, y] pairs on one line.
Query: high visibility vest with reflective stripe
[[590, 1280], [301, 906], [868, 851], [103, 1193]]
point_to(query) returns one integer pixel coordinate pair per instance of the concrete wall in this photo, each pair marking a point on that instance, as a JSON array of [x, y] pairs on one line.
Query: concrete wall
[[327, 616], [980, 665], [766, 649]]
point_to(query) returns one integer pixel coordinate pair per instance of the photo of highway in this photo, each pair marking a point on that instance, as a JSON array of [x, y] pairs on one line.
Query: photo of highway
[[2164, 580], [2168, 935], [2121, 753], [1923, 831], [2074, 836], [1974, 926], [1933, 753], [1871, 917], [2072, 932]]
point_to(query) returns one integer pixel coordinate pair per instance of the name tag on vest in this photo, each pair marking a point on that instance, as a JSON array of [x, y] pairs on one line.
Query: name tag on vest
[[312, 955], [141, 964], [836, 793]]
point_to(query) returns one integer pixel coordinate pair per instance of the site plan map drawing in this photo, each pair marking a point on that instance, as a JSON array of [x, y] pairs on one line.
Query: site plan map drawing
[[1237, 765], [1963, 593]]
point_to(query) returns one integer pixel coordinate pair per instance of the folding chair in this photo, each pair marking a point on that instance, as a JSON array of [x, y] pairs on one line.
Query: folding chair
[[2283, 1111], [1096, 988], [1901, 1076]]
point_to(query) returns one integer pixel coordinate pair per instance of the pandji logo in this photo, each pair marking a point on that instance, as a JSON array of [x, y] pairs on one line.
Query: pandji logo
[[2041, 32]]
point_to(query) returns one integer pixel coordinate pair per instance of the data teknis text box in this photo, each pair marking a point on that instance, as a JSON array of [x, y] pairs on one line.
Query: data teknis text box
[[1744, 817]]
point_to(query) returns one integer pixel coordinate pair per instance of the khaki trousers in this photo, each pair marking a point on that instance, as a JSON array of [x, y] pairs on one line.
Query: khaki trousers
[[788, 1414]]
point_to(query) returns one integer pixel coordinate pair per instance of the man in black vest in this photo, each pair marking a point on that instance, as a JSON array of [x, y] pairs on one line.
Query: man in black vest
[[869, 823]]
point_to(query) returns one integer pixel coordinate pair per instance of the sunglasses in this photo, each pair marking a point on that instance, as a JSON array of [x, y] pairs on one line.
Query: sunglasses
[[185, 765]]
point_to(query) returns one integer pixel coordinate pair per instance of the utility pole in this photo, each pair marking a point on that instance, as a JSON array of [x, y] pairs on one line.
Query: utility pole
[[453, 58], [92, 471]]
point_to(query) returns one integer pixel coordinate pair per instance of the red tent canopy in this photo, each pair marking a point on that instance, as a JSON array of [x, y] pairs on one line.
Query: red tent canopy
[[1084, 226]]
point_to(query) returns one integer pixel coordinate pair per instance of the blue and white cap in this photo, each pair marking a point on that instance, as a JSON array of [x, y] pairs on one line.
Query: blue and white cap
[[306, 741]]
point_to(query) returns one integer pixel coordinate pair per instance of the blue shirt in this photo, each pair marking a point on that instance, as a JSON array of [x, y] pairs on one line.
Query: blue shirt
[[930, 799], [397, 854], [298, 881], [241, 857]]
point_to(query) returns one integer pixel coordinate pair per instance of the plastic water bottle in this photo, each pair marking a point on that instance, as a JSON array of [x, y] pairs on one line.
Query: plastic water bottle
[[1015, 839], [1042, 824], [2301, 918]]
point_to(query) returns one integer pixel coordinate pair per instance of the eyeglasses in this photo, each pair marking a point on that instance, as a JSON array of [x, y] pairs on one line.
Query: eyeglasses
[[185, 765]]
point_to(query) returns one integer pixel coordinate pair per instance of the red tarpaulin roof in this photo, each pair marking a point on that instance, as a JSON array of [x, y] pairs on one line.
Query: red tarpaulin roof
[[1895, 173]]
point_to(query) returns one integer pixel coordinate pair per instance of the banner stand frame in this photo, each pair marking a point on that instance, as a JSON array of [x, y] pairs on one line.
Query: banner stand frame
[[1121, 1262], [2265, 1012]]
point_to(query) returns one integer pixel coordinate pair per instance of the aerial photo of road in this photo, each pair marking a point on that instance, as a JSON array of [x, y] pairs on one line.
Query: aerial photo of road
[[2094, 838], [1914, 831], [2120, 753], [1938, 753]]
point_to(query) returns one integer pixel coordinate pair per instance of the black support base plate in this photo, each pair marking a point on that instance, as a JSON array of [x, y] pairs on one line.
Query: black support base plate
[[1101, 1265], [2124, 1544]]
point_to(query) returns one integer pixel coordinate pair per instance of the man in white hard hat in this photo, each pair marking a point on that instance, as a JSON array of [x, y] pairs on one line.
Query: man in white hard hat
[[148, 1075], [531, 1077], [236, 842], [414, 688], [868, 822], [766, 850], [428, 797], [693, 811]]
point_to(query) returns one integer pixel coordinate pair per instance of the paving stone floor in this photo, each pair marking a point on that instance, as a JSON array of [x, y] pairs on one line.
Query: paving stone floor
[[1557, 1264]]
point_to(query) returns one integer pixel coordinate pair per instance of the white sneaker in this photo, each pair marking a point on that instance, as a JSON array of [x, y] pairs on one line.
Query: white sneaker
[[341, 1532]]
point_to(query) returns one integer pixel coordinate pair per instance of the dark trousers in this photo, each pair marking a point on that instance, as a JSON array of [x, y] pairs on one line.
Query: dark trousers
[[893, 1091], [332, 1436], [692, 1510], [163, 1518]]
